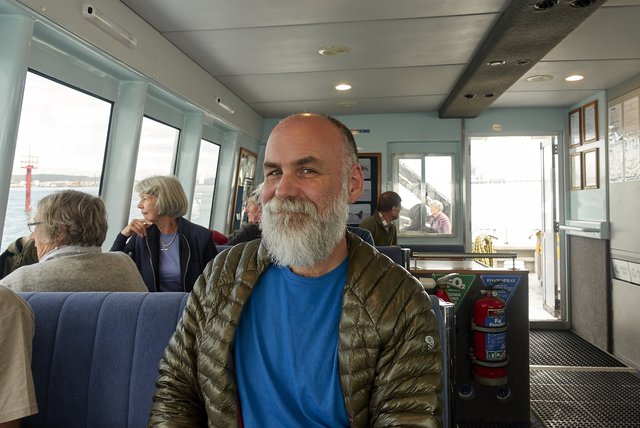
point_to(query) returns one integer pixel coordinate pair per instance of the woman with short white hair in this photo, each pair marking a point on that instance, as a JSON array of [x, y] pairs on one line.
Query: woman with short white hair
[[438, 221], [169, 250]]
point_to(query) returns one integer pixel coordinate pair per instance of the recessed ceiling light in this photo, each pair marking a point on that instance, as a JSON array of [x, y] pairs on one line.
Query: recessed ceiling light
[[343, 87], [539, 78], [334, 50], [574, 78], [496, 62]]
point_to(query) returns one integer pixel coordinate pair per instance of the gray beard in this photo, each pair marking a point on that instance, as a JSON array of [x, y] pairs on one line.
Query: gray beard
[[296, 234]]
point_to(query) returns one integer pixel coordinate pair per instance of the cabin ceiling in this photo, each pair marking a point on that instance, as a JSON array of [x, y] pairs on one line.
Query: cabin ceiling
[[403, 56]]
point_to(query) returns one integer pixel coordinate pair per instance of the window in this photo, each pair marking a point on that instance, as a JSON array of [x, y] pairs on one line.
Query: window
[[156, 154], [425, 184], [61, 144], [205, 183]]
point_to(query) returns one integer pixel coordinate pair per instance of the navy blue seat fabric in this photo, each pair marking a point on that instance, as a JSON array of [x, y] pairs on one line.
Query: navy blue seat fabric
[[96, 354], [363, 233], [221, 248], [435, 248], [393, 252]]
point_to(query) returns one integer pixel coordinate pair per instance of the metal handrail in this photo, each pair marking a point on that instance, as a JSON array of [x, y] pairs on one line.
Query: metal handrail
[[425, 256], [435, 255]]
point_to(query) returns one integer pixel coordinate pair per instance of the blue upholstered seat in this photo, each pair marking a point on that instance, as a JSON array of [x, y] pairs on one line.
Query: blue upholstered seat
[[393, 252], [435, 248], [96, 354]]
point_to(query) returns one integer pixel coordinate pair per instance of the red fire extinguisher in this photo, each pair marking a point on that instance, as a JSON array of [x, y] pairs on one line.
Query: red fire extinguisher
[[489, 327]]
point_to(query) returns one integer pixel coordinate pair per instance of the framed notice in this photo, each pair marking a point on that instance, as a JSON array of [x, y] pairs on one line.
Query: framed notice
[[591, 168], [367, 203], [590, 122], [575, 160], [575, 127]]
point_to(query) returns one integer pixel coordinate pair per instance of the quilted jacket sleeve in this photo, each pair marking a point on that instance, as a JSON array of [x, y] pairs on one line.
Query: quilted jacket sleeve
[[408, 381], [177, 401], [391, 359]]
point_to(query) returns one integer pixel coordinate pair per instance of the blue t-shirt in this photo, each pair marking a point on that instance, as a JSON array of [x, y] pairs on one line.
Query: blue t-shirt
[[286, 351]]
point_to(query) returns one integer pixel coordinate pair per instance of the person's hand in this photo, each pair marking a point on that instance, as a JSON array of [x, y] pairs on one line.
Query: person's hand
[[137, 227]]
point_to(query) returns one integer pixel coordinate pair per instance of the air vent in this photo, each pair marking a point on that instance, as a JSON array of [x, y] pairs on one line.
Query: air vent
[[581, 3], [545, 4]]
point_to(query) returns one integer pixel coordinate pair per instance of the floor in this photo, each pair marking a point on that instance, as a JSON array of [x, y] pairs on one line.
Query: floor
[[536, 309], [576, 385]]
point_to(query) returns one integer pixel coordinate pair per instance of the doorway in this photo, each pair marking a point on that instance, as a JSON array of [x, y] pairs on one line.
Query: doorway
[[514, 205]]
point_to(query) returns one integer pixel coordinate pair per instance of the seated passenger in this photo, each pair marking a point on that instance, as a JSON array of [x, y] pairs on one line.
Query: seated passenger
[[380, 224], [170, 251], [306, 326], [364, 234], [17, 394], [438, 220], [68, 230], [21, 252], [251, 229]]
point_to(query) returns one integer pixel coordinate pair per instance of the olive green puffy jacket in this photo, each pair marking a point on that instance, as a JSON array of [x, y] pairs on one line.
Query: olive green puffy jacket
[[389, 365]]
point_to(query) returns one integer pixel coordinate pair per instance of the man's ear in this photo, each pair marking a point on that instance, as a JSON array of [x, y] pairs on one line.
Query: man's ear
[[356, 183]]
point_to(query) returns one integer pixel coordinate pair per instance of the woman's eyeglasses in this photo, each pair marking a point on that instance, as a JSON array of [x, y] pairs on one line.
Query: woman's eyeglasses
[[33, 224]]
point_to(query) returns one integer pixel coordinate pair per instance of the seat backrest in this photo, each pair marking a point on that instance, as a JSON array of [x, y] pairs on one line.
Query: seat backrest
[[393, 252], [221, 248], [446, 327], [435, 248], [363, 233], [96, 354]]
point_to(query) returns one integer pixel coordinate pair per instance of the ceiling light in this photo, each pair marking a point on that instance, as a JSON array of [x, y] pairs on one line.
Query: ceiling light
[[574, 78], [522, 61], [224, 106], [539, 78], [496, 62], [343, 87], [334, 50], [108, 25]]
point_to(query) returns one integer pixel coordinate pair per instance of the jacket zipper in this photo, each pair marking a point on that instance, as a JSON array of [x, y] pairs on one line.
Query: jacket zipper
[[153, 272], [186, 266]]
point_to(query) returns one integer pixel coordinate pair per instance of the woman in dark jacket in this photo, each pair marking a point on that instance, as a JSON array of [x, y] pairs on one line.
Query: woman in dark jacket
[[170, 251]]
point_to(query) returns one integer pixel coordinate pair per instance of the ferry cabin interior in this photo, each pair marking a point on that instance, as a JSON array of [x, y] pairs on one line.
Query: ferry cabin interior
[[193, 88]]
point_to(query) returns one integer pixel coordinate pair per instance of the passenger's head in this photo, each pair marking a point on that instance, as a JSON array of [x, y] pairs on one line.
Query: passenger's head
[[164, 194], [69, 217], [435, 206], [390, 203], [311, 176], [253, 206]]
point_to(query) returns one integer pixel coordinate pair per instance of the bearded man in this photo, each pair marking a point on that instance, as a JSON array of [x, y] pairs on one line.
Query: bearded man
[[308, 326]]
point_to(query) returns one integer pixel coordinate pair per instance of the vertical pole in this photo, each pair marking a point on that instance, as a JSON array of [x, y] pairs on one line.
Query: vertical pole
[[15, 33], [27, 196], [122, 155]]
